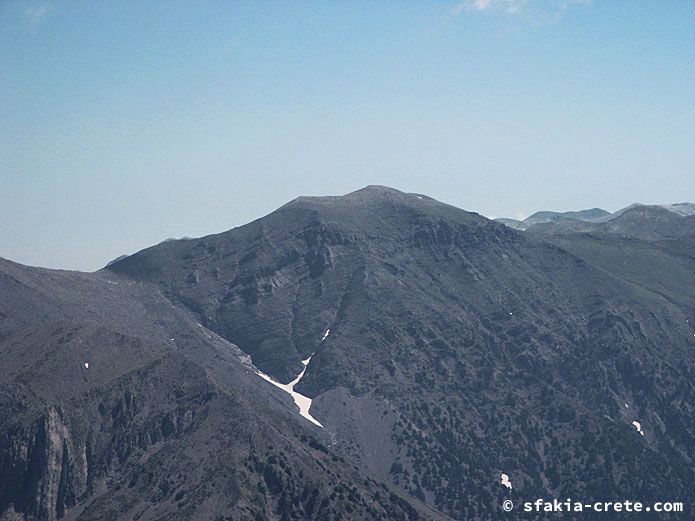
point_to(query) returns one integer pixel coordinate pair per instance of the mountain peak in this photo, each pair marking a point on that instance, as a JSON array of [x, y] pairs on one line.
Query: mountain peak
[[384, 193], [377, 189], [376, 200], [368, 193]]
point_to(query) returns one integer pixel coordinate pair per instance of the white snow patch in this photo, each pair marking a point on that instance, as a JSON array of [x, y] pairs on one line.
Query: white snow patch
[[505, 481], [303, 402], [419, 196], [638, 426], [86, 365], [627, 406], [325, 335]]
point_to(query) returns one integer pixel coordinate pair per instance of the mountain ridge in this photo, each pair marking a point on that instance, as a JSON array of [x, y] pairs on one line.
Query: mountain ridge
[[596, 220]]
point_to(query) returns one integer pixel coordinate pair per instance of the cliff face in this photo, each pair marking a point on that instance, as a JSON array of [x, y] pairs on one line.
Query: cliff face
[[54, 457], [164, 443], [44, 471]]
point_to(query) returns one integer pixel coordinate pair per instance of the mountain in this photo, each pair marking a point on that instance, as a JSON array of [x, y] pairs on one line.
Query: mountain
[[637, 221], [439, 350], [684, 209], [512, 223], [591, 215], [641, 221], [459, 349], [649, 222]]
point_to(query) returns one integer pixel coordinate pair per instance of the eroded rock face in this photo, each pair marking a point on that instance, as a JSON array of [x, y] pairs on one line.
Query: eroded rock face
[[135, 449], [53, 463], [43, 469]]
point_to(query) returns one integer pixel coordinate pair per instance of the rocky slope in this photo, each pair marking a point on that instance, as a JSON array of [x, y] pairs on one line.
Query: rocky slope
[[114, 404]]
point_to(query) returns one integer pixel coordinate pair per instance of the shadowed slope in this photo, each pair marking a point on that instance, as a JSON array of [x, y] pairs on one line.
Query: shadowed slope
[[114, 404]]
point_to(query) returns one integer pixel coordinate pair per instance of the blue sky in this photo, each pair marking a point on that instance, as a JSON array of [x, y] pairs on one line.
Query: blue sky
[[125, 123]]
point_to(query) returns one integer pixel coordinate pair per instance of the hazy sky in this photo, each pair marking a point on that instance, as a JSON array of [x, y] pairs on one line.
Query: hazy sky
[[125, 123]]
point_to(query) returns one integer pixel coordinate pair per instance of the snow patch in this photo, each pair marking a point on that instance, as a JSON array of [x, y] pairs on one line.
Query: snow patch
[[86, 365], [303, 402], [637, 425], [325, 335], [504, 479]]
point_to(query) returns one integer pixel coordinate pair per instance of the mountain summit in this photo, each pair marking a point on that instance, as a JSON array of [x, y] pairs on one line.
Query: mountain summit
[[303, 256]]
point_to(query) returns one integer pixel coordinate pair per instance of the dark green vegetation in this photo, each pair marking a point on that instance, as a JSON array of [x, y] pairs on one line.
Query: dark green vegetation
[[459, 349]]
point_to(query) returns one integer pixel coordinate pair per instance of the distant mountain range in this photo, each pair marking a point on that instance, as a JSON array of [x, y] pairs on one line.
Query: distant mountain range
[[448, 363], [568, 222]]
